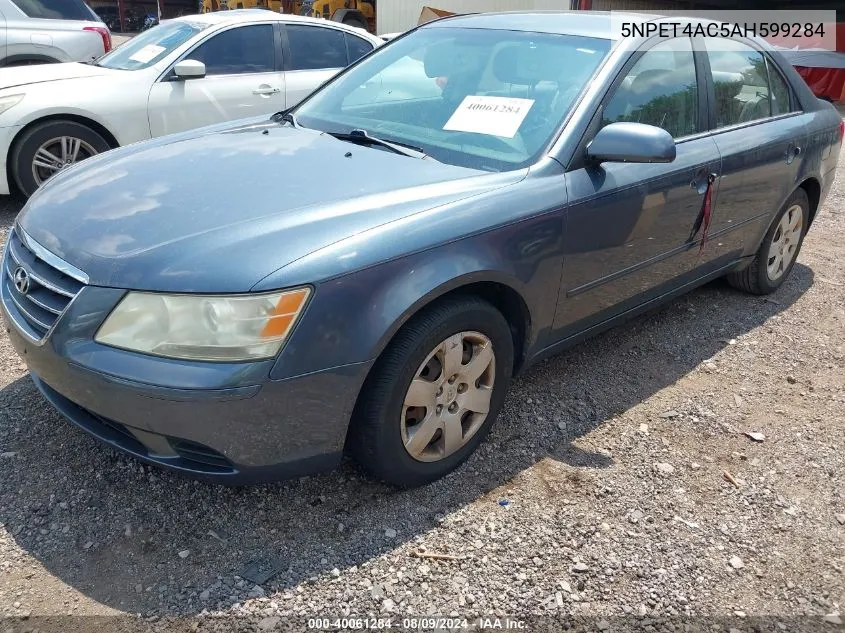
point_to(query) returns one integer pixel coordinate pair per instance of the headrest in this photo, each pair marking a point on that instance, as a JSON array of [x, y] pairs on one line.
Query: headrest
[[524, 65], [438, 61], [647, 80], [447, 58]]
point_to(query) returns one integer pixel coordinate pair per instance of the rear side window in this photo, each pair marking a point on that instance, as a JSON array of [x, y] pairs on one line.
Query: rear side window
[[238, 51], [356, 47], [741, 82], [316, 48], [57, 9], [780, 91], [661, 90]]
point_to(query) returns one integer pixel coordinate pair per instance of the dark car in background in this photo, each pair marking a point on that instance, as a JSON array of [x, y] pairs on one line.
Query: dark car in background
[[368, 270]]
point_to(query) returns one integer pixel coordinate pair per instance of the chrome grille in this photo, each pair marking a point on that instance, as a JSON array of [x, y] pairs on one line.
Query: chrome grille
[[52, 284]]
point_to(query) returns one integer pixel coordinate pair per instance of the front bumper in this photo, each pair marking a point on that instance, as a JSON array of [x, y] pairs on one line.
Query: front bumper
[[222, 421]]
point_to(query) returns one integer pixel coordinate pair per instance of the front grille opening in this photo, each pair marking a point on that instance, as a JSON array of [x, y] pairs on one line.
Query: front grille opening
[[49, 290], [119, 434], [189, 455], [197, 453]]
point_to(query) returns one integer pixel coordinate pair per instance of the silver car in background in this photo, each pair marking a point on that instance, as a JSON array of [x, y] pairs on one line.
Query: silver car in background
[[49, 31]]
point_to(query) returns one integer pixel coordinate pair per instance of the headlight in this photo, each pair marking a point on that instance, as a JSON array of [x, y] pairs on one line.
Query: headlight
[[8, 102], [203, 327]]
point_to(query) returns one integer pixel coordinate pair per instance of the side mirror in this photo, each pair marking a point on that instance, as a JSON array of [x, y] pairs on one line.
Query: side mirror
[[632, 143], [189, 69]]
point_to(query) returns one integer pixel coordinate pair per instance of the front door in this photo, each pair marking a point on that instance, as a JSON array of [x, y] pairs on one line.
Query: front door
[[630, 228], [241, 81]]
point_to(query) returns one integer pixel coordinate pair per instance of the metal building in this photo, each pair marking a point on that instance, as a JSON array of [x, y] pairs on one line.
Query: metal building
[[400, 15]]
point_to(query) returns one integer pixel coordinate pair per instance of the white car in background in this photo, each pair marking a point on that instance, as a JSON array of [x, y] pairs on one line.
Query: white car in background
[[182, 74]]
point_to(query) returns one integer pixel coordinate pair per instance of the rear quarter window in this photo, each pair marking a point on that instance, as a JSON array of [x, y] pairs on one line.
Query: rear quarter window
[[56, 9], [356, 47]]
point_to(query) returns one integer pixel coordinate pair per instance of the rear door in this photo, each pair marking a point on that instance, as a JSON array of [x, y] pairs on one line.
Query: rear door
[[314, 54], [761, 134], [631, 228], [243, 79]]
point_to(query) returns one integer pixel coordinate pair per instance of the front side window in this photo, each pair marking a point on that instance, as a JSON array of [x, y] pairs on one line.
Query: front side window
[[480, 98], [660, 89], [238, 51], [316, 48], [740, 81], [148, 47]]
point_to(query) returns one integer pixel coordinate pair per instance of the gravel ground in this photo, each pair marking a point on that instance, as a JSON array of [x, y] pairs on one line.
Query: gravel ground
[[601, 492]]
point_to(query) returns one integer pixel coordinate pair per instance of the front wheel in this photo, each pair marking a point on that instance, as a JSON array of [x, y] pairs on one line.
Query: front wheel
[[779, 250], [50, 147], [434, 393]]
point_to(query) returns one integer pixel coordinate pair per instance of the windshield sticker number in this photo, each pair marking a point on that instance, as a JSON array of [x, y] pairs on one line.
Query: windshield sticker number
[[147, 54], [496, 116]]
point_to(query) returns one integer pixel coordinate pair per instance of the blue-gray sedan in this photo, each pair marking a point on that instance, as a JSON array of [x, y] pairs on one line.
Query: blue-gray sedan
[[368, 270]]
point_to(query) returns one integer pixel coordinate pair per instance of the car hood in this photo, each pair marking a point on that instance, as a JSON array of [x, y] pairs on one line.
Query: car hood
[[218, 212], [40, 73]]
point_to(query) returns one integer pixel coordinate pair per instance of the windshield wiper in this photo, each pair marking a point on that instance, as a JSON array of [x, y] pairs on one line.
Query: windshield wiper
[[286, 116], [362, 137]]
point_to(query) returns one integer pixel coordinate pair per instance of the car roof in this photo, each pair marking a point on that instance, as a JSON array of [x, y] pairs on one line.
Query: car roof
[[593, 24], [239, 16]]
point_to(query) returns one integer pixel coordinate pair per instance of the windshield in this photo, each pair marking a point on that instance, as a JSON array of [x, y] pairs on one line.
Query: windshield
[[478, 98], [150, 46]]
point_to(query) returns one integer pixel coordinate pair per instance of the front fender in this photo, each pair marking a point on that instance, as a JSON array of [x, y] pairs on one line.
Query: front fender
[[352, 318]]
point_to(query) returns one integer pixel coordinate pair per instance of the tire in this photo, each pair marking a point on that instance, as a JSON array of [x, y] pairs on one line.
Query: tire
[[26, 146], [380, 423], [757, 278], [29, 62]]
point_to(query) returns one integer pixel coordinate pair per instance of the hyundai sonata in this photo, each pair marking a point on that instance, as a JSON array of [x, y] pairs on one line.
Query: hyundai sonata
[[368, 270]]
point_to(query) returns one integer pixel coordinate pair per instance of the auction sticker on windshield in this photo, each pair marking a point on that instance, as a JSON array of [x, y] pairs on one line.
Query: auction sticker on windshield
[[147, 54], [496, 116]]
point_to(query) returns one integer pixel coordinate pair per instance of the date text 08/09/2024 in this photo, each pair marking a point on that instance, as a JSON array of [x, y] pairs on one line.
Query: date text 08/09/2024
[[417, 624]]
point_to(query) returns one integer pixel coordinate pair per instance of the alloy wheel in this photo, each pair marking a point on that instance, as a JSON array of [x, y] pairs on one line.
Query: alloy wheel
[[448, 399], [57, 154], [785, 241]]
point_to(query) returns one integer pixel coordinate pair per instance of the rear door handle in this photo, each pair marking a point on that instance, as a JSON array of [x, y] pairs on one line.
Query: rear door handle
[[793, 152], [266, 91]]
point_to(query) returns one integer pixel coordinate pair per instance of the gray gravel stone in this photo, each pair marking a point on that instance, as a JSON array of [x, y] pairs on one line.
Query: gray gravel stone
[[736, 562]]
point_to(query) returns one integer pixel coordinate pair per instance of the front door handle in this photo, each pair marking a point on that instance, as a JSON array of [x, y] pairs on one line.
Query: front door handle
[[702, 179], [266, 91]]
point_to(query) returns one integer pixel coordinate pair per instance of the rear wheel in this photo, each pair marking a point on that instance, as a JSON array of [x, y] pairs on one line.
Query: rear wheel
[[50, 147], [778, 251], [434, 393]]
